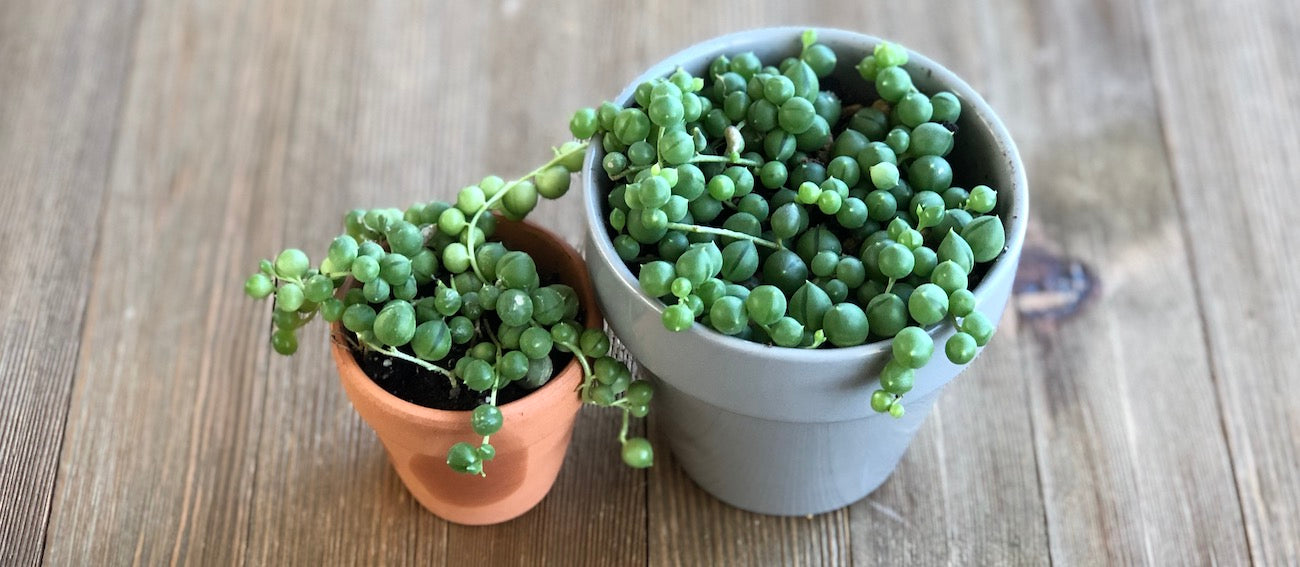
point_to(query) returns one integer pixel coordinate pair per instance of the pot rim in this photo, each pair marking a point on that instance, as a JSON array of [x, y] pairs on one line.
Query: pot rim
[[564, 382], [1014, 219]]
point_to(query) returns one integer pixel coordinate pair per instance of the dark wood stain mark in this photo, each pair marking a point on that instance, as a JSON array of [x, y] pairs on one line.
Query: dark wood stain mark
[[1053, 287]]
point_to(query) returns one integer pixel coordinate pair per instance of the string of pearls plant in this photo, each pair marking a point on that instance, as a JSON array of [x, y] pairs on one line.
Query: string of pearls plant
[[428, 286], [753, 201]]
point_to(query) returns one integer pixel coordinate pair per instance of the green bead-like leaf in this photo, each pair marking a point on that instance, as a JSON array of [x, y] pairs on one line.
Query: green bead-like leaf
[[486, 419], [986, 236], [462, 456], [739, 261], [395, 324], [846, 325], [432, 340], [955, 248], [656, 277], [548, 305], [539, 373], [809, 306]]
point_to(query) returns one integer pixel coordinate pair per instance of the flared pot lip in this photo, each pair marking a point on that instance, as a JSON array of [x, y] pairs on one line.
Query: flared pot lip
[[564, 383], [1003, 267]]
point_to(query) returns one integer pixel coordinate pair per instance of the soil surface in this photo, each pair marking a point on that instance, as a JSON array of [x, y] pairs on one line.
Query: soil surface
[[425, 388], [430, 389]]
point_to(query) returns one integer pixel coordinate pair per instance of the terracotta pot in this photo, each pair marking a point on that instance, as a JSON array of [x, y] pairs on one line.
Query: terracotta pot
[[531, 444]]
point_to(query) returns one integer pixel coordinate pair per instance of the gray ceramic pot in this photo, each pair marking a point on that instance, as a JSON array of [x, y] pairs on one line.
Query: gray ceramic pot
[[780, 430]]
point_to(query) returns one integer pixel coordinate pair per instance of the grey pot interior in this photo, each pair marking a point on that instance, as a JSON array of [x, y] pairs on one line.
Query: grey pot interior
[[790, 431]]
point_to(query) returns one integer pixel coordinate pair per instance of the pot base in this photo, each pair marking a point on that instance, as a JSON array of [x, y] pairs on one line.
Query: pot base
[[789, 469]]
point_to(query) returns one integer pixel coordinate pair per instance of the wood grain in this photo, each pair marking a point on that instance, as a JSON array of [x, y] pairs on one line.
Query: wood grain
[[594, 515], [159, 449], [64, 71], [1234, 141], [687, 526], [151, 152], [1132, 468]]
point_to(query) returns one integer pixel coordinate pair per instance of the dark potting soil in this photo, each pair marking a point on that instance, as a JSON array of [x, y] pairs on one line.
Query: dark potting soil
[[430, 389]]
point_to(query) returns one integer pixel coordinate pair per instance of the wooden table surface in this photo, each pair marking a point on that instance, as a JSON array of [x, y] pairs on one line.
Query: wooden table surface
[[1137, 405]]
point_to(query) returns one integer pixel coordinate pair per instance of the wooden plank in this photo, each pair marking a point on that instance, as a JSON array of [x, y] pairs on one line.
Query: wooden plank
[[1132, 459], [64, 69], [159, 455], [1225, 74], [690, 527]]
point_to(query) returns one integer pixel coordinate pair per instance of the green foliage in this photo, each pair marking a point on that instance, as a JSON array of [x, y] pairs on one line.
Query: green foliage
[[427, 285]]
